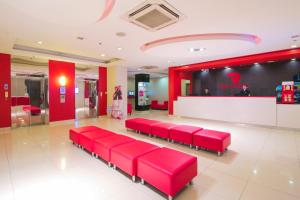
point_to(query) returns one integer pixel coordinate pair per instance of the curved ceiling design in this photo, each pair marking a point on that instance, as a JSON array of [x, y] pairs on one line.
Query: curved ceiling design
[[209, 36], [109, 4]]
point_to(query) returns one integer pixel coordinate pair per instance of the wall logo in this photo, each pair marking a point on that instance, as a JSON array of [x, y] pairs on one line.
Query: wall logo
[[235, 81]]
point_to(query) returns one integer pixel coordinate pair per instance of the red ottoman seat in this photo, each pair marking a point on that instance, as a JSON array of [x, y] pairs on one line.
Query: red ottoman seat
[[132, 123], [212, 140], [162, 129], [86, 139], [125, 156], [74, 132], [167, 170], [102, 146], [144, 126], [184, 133]]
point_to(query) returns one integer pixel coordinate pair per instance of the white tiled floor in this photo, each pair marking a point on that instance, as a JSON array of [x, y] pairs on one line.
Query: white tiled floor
[[39, 162]]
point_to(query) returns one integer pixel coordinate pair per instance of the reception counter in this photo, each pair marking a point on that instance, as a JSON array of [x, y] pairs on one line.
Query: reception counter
[[250, 110]]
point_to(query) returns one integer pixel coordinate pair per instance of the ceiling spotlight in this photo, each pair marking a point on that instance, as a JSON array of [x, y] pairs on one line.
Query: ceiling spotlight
[[103, 55], [294, 46], [80, 38], [119, 48], [40, 42], [196, 49]]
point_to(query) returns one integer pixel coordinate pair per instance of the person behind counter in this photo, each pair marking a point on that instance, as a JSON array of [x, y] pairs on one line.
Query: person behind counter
[[245, 91], [206, 92]]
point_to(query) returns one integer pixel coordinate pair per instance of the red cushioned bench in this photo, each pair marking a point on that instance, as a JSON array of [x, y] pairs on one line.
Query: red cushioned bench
[[184, 133], [132, 123], [162, 130], [144, 126], [212, 140], [33, 110], [167, 170], [86, 139], [125, 156], [102, 146], [74, 132]]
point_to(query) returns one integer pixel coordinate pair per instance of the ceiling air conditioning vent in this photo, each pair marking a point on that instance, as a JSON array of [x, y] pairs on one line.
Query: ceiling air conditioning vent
[[154, 15]]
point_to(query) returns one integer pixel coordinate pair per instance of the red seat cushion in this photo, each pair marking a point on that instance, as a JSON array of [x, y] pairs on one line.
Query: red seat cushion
[[74, 132], [184, 133], [166, 169], [125, 156], [212, 140], [162, 129], [132, 123], [86, 139], [102, 146], [145, 125], [34, 110]]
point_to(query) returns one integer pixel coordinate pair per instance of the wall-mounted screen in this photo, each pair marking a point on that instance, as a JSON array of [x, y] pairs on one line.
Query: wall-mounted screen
[[143, 94]]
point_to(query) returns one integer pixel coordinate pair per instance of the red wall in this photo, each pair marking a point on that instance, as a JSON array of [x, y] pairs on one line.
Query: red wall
[[102, 91], [5, 103], [61, 111]]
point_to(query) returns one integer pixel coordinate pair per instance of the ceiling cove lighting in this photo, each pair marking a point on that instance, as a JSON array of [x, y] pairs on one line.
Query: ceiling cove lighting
[[294, 46]]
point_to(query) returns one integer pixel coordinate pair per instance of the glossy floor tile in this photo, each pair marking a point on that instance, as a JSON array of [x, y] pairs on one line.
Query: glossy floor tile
[[39, 162]]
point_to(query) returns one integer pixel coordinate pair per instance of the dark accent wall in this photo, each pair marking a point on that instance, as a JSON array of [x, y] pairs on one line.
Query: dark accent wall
[[262, 79]]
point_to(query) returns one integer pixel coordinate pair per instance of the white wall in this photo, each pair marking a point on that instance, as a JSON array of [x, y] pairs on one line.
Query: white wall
[[18, 87]]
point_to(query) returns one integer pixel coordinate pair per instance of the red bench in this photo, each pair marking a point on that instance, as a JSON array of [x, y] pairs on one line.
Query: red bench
[[184, 133], [144, 126], [125, 156], [86, 139], [167, 170], [102, 146], [132, 123], [33, 110], [75, 132], [162, 130], [212, 140], [157, 106]]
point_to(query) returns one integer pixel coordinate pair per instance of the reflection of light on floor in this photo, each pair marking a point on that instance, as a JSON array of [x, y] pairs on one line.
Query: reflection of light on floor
[[63, 163]]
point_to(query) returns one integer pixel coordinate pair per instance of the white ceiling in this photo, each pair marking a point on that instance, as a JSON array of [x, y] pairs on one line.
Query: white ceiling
[[59, 22]]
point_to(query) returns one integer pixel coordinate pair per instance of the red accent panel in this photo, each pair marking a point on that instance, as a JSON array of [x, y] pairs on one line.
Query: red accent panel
[[86, 89], [243, 60], [109, 4], [61, 111], [102, 91], [5, 103]]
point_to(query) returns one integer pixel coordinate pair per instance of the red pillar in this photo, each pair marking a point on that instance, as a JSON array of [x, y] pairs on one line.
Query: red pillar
[[102, 91], [5, 91], [59, 110]]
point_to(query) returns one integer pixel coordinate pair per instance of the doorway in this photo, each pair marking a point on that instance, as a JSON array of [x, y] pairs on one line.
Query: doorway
[[29, 100], [86, 98]]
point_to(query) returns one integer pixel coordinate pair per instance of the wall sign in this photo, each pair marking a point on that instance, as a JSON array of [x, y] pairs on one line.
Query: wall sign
[[5, 86]]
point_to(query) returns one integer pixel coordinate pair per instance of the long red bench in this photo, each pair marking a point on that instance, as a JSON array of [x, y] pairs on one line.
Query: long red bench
[[144, 126], [132, 123], [102, 146], [162, 130], [75, 132], [212, 140], [158, 106], [184, 133], [167, 170], [125, 156], [87, 139]]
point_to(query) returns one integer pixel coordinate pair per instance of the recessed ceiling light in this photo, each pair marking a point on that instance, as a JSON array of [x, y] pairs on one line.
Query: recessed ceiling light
[[294, 46], [80, 38], [293, 59], [100, 43], [120, 34], [119, 48], [103, 55], [196, 49], [40, 42]]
